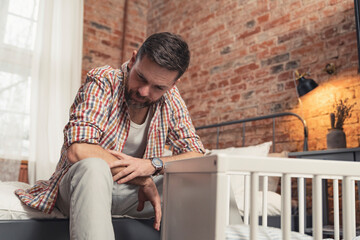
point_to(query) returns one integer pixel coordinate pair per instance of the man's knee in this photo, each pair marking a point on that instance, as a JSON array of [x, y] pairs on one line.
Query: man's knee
[[93, 169], [89, 164]]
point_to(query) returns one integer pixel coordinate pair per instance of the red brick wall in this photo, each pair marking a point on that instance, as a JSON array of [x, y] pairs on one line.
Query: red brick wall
[[106, 40], [243, 57]]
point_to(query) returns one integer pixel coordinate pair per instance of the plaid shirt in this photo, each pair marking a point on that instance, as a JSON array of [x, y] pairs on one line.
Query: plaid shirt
[[99, 115]]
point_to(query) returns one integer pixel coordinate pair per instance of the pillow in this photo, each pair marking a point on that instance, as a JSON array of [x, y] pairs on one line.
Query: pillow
[[237, 182], [273, 182], [12, 208], [273, 200], [261, 150]]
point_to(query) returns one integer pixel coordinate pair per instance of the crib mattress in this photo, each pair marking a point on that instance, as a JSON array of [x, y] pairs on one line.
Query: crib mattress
[[242, 232]]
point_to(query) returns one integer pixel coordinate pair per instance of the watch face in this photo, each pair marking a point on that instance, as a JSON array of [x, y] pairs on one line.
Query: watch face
[[157, 162]]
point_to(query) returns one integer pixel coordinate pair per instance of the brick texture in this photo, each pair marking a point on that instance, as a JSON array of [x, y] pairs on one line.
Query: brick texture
[[244, 54], [110, 33]]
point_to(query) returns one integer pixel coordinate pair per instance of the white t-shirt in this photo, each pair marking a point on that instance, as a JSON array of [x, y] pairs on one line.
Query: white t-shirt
[[137, 139]]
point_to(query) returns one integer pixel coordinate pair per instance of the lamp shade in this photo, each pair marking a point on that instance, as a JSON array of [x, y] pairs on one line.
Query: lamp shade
[[305, 85]]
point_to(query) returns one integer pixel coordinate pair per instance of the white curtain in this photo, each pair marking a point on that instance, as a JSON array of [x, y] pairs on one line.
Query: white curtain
[[56, 77], [18, 21]]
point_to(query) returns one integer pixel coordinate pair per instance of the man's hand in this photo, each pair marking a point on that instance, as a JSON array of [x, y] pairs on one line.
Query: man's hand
[[134, 167], [149, 192]]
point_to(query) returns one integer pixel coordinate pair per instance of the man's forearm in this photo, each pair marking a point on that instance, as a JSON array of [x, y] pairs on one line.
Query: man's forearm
[[180, 157], [80, 151], [141, 181]]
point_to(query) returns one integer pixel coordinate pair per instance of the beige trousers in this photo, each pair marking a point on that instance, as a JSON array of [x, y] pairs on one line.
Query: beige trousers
[[89, 197]]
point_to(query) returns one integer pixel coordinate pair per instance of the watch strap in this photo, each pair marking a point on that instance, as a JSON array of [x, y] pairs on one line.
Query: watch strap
[[157, 171]]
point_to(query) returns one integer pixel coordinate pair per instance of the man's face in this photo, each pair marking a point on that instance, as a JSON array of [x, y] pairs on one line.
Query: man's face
[[147, 82]]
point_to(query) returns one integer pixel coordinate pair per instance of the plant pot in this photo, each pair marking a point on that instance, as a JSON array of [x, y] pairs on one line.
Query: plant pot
[[335, 139]]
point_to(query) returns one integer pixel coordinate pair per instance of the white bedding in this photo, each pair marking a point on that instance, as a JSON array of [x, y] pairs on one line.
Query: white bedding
[[242, 232], [12, 208]]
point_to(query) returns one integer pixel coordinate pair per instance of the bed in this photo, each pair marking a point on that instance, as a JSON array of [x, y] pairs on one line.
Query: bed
[[38, 227], [18, 221], [197, 197]]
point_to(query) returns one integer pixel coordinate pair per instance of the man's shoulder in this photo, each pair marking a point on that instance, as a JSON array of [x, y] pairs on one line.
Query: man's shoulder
[[173, 98], [105, 72], [172, 93], [106, 75]]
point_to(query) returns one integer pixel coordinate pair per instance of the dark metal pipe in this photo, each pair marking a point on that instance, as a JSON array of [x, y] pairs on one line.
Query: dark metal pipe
[[124, 31], [262, 118], [357, 21]]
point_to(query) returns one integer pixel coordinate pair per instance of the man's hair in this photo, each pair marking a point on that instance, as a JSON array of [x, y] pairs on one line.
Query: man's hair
[[168, 50]]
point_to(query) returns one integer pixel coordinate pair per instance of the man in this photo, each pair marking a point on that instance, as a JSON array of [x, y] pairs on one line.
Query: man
[[119, 124]]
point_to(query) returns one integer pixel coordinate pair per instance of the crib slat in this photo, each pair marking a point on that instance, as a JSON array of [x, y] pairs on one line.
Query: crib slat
[[228, 200], [346, 208], [246, 199], [301, 210], [222, 196], [336, 209], [353, 208], [286, 206], [317, 207], [264, 201], [254, 217], [348, 211]]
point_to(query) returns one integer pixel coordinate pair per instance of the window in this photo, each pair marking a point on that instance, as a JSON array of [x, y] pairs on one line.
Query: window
[[18, 22]]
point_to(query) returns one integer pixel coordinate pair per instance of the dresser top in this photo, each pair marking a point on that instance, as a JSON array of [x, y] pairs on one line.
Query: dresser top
[[327, 151]]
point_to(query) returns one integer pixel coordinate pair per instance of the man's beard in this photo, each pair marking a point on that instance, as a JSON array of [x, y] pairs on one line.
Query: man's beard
[[129, 94]]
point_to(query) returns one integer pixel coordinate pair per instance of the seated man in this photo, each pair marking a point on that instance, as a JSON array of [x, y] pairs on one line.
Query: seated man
[[115, 139]]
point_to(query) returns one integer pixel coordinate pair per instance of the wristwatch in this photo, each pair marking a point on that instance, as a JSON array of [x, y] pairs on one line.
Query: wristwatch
[[157, 164]]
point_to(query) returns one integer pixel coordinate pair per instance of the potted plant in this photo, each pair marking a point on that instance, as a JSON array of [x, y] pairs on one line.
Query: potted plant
[[336, 137]]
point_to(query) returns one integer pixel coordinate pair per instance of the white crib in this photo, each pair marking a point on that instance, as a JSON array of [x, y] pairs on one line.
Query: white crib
[[197, 194]]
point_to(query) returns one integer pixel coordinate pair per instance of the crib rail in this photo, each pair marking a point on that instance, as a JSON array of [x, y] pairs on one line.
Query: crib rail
[[348, 207], [244, 121], [317, 171], [220, 167]]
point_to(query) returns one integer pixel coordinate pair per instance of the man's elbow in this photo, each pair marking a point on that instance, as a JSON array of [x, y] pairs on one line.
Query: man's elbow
[[73, 153], [195, 154], [198, 154]]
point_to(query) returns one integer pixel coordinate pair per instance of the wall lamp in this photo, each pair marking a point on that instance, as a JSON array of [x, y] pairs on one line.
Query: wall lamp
[[305, 85]]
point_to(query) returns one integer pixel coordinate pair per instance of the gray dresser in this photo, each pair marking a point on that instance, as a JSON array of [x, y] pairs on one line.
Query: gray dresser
[[343, 154]]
